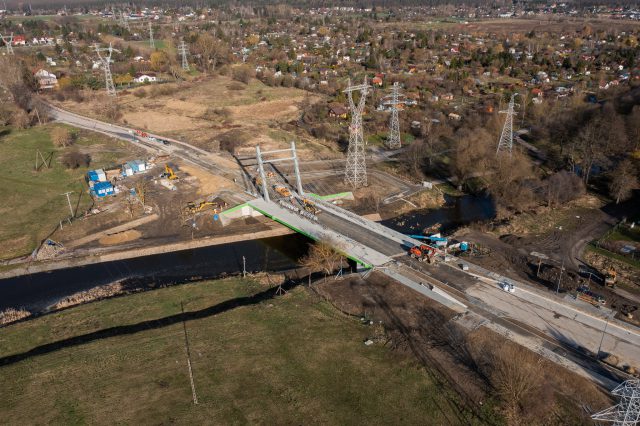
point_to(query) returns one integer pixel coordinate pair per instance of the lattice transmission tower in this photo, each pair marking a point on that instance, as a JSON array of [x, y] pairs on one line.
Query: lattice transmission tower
[[393, 100], [152, 42], [356, 170], [124, 21], [182, 49], [8, 42], [627, 411], [105, 60], [505, 144]]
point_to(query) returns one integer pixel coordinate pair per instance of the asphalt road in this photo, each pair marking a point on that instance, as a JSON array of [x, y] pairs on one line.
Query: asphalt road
[[186, 152]]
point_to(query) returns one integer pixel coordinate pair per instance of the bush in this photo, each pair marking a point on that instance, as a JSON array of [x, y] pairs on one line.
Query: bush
[[21, 119], [235, 85], [61, 137], [75, 159], [242, 73], [140, 93], [215, 114]]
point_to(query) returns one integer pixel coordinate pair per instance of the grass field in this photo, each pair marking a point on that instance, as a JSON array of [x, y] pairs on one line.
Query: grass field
[[256, 359], [32, 202]]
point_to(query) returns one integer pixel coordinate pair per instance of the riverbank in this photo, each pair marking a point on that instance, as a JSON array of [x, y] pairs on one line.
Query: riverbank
[[93, 257]]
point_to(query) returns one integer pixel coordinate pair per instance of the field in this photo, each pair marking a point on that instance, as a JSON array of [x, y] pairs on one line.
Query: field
[[209, 111], [32, 202], [256, 358]]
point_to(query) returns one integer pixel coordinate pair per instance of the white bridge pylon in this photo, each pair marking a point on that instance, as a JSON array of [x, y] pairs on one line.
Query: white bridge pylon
[[262, 161]]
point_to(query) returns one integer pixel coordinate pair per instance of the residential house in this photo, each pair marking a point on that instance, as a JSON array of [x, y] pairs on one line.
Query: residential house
[[46, 79], [337, 110], [145, 78]]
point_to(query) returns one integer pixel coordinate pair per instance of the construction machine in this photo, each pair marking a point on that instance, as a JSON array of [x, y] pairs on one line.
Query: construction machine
[[423, 253], [310, 206], [610, 277], [169, 173], [198, 206], [583, 293], [282, 190]]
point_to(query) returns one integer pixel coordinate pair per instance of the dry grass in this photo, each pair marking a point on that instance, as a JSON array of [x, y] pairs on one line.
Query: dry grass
[[256, 359], [12, 315], [97, 293]]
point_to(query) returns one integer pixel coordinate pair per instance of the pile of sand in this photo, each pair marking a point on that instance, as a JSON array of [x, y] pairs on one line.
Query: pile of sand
[[120, 237]]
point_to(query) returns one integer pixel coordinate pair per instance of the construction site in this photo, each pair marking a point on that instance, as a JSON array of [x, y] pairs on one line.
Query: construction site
[[546, 291]]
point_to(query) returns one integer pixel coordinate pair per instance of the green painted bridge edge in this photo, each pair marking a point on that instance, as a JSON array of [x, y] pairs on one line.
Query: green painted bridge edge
[[233, 209], [326, 197], [355, 259]]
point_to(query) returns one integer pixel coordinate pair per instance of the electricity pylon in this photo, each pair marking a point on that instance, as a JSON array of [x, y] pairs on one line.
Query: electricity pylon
[[627, 411], [393, 141], [505, 144], [356, 171], [8, 42], [106, 64], [124, 21], [182, 49], [152, 42]]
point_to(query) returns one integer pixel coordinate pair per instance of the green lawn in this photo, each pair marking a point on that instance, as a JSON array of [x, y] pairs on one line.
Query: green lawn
[[32, 202], [285, 360]]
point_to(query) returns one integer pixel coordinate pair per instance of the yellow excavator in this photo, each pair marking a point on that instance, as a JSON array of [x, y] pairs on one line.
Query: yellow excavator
[[169, 173], [198, 206]]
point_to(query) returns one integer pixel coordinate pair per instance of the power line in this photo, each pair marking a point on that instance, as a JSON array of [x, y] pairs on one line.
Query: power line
[[627, 411], [106, 64], [393, 141], [182, 49], [356, 168], [8, 42], [152, 42], [505, 144]]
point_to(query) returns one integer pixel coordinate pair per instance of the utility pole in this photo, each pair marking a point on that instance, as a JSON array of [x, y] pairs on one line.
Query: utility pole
[[393, 141], [627, 411], [505, 143], [152, 42], [106, 64], [69, 202], [8, 42], [560, 277], [604, 331], [182, 49], [356, 169]]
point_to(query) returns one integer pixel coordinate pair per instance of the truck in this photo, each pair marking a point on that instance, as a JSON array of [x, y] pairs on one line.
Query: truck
[[610, 277], [422, 253]]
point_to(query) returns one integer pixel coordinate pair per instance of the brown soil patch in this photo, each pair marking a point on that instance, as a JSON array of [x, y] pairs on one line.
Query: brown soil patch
[[208, 183], [120, 237], [160, 122], [266, 110]]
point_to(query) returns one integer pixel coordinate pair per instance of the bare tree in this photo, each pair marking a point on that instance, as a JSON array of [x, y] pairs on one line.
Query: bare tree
[[210, 51], [322, 257], [515, 374], [623, 180], [61, 137]]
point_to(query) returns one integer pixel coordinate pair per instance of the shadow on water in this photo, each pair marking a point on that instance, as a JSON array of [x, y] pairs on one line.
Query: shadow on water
[[36, 292], [457, 212]]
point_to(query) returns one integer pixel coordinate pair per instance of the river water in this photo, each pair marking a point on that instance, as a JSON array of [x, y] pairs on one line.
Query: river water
[[36, 292]]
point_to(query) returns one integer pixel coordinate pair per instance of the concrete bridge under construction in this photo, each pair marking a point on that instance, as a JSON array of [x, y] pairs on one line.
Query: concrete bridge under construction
[[370, 244]]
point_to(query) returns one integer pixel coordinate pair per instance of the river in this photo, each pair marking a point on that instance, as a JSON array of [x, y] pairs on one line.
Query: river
[[36, 292]]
